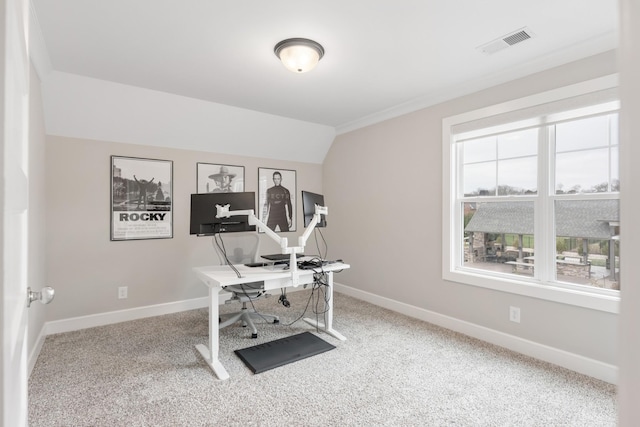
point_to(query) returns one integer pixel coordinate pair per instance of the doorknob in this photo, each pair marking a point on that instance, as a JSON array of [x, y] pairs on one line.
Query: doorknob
[[45, 295]]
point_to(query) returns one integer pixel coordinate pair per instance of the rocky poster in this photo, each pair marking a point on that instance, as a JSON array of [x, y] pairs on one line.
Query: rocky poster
[[141, 198]]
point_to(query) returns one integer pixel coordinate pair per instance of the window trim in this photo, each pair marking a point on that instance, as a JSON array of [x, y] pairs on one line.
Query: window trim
[[572, 295]]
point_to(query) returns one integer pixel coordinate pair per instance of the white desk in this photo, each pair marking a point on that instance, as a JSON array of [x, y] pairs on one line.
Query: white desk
[[219, 276]]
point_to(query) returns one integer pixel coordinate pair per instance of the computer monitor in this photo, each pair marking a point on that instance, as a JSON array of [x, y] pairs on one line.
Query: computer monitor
[[203, 219], [309, 202]]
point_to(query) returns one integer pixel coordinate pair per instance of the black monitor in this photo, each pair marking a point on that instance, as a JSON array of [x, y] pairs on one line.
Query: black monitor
[[203, 219], [309, 202]]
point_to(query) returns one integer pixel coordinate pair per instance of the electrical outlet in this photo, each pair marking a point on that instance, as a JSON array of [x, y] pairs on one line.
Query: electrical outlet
[[514, 314], [122, 292]]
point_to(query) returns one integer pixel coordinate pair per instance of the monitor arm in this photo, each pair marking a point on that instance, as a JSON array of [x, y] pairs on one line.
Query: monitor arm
[[320, 210], [224, 212]]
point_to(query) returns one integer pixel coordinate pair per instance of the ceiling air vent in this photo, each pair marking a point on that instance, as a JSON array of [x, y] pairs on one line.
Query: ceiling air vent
[[504, 42]]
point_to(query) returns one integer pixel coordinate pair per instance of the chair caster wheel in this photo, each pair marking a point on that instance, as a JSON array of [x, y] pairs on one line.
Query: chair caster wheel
[[254, 335], [276, 321]]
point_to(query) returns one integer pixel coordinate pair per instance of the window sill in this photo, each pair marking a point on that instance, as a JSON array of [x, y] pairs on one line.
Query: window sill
[[604, 301]]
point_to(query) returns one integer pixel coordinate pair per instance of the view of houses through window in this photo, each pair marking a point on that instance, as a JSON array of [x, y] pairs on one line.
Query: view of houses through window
[[542, 202]]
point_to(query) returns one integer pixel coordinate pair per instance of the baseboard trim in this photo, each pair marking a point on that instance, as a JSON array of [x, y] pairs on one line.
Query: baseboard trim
[[572, 361], [111, 317]]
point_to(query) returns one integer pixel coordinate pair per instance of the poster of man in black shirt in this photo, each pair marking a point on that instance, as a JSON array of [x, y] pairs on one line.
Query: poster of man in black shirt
[[277, 201]]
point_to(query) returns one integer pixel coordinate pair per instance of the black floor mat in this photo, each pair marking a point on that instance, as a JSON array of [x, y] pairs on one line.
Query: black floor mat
[[269, 355]]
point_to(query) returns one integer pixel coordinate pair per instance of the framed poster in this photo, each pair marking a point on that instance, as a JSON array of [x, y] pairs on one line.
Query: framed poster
[[141, 198], [277, 198], [214, 178]]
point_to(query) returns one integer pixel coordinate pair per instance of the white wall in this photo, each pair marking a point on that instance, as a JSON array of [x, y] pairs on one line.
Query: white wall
[[385, 186], [83, 107], [86, 268]]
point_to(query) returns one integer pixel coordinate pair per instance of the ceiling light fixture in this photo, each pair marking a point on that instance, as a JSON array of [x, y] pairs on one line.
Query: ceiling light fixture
[[299, 55]]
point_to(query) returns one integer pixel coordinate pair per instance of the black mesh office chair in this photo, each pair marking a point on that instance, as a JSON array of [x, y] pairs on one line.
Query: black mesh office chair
[[242, 248]]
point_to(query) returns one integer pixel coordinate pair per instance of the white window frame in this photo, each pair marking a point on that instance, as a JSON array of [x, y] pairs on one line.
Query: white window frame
[[608, 301]]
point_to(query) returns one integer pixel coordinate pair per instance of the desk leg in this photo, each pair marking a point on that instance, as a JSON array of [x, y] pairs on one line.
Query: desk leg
[[211, 354], [328, 328]]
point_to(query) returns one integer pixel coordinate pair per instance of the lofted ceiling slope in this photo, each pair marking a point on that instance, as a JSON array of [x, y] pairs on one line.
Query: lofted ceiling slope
[[383, 58]]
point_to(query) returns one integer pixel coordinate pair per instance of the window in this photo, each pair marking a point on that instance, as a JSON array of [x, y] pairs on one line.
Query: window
[[532, 196]]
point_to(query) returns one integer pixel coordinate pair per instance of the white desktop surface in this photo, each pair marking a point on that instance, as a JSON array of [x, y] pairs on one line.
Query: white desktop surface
[[275, 277]]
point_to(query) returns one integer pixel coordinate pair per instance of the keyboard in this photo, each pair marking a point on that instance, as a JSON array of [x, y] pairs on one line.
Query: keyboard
[[279, 257], [266, 264], [311, 264]]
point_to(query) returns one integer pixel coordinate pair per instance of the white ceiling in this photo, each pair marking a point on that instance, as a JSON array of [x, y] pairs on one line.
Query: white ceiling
[[381, 55]]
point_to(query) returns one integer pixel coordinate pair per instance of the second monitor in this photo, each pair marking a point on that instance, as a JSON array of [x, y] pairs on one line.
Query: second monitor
[[309, 202]]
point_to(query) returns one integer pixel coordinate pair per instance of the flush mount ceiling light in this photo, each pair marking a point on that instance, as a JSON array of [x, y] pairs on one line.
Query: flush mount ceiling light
[[299, 55]]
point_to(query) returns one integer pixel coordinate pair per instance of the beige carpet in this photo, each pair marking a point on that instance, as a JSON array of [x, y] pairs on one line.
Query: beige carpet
[[391, 371]]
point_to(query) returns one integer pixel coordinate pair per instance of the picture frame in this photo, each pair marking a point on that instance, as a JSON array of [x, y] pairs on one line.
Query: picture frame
[[141, 198], [277, 205], [219, 178]]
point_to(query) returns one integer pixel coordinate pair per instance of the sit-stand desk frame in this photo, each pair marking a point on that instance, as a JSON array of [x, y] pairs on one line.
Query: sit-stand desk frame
[[219, 276]]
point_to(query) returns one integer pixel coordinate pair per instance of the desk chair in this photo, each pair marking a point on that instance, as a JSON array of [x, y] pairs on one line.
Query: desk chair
[[241, 248]]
